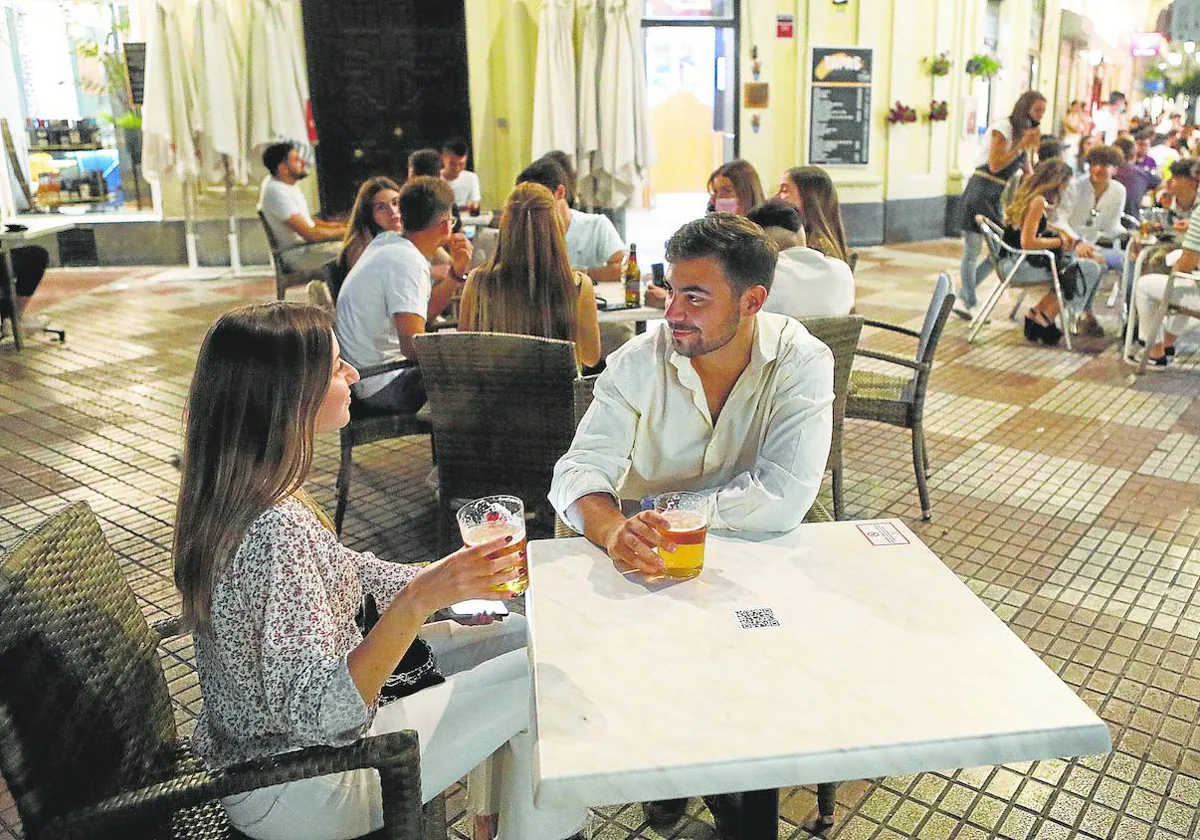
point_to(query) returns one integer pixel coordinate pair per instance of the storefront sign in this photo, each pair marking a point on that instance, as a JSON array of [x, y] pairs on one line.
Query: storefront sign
[[839, 114], [785, 26], [1185, 20], [1145, 44]]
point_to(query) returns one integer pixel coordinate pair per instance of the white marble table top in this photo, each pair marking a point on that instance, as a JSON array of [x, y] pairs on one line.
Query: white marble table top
[[614, 293], [883, 663], [37, 226]]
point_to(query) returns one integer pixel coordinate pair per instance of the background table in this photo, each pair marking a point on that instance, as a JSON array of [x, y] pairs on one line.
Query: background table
[[614, 293], [10, 241], [882, 663]]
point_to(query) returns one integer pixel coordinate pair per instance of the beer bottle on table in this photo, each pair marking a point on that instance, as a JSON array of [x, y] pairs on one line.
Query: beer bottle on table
[[633, 280]]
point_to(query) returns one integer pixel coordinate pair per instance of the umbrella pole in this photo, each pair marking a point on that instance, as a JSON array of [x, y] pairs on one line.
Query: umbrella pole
[[189, 224], [235, 254]]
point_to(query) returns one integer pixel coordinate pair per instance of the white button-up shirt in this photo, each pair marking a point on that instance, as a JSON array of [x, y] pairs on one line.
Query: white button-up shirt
[[649, 430], [1089, 218]]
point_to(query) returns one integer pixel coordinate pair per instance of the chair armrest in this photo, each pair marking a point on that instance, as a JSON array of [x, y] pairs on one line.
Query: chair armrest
[[396, 753], [884, 325], [375, 370], [888, 357], [168, 628]]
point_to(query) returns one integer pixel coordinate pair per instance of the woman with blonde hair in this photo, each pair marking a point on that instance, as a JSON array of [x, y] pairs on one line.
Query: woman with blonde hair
[[1026, 227], [271, 596], [811, 191], [528, 287], [734, 187]]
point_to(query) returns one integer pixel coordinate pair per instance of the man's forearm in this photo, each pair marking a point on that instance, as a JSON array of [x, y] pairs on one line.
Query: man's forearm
[[605, 273], [440, 297], [600, 515]]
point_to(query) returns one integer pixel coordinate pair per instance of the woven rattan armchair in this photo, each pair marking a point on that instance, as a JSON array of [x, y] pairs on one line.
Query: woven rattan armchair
[[503, 411], [285, 277], [900, 400], [840, 335], [88, 745], [369, 425]]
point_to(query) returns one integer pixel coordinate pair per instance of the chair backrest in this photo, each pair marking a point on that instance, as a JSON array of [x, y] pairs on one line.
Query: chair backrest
[[503, 411], [272, 242], [84, 708], [935, 317], [840, 335]]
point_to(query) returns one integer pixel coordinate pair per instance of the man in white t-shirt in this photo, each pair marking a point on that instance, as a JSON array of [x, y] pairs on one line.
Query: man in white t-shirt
[[304, 243], [593, 244], [807, 283], [388, 297], [1109, 118], [463, 181]]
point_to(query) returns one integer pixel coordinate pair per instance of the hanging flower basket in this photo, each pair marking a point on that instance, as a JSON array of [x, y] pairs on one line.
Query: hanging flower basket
[[983, 65], [901, 113], [938, 65], [939, 111]]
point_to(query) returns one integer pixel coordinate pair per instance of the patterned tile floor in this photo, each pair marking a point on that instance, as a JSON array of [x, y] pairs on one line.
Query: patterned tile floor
[[1065, 493]]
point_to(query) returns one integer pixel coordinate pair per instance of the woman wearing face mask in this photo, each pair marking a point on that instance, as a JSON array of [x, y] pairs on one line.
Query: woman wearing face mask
[[1010, 144], [734, 187]]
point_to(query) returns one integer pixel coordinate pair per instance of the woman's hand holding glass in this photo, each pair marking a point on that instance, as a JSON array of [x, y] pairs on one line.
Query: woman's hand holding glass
[[473, 572]]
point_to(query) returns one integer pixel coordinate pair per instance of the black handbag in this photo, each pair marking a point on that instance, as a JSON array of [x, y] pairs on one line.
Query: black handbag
[[416, 670]]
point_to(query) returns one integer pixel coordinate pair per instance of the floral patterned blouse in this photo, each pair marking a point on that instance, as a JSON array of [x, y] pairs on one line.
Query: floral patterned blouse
[[273, 668]]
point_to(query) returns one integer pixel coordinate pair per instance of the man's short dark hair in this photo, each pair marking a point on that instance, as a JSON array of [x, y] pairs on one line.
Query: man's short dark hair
[[1105, 156], [425, 162], [1185, 168], [1115, 97], [746, 254], [423, 203], [543, 171], [1125, 146], [776, 213], [456, 146], [1049, 148], [276, 154]]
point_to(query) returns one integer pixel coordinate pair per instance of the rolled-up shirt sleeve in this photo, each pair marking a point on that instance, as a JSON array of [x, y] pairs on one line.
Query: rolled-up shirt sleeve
[[777, 493], [599, 457], [306, 680]]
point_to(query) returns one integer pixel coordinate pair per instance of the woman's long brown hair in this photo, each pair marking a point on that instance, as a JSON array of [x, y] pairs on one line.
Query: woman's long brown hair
[[528, 287], [821, 211], [1047, 180], [746, 183], [261, 376], [362, 228]]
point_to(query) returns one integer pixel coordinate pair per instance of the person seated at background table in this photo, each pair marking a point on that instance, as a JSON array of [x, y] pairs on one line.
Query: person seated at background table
[[1136, 179], [427, 163], [271, 595], [807, 283], [528, 287], [593, 244], [388, 297], [1162, 154], [29, 265], [463, 181], [1026, 227], [1049, 147], [376, 209], [305, 243], [569, 174], [734, 187], [811, 191], [1186, 292]]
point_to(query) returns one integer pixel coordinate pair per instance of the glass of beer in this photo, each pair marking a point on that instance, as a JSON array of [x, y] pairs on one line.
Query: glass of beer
[[687, 517], [499, 516]]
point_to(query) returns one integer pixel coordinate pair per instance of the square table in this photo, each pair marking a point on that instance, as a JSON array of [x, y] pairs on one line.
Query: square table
[[11, 240], [882, 662], [638, 316]]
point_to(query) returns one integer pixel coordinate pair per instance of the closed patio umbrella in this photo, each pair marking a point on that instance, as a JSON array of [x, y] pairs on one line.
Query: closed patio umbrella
[[554, 80], [588, 143], [221, 84], [277, 82], [169, 111], [625, 150]]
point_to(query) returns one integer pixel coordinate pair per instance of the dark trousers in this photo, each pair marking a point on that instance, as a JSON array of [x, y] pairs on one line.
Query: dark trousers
[[29, 265]]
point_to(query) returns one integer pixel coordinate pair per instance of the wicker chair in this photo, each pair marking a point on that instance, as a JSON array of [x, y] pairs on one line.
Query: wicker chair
[[284, 278], [369, 425], [900, 400], [840, 335], [503, 414], [88, 745]]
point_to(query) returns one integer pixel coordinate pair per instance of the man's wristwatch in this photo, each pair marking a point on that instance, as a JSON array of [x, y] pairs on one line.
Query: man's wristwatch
[[456, 277]]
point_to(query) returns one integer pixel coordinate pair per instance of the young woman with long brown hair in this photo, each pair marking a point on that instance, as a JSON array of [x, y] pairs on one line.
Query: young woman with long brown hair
[[528, 287], [271, 596], [734, 187], [376, 209], [1026, 226], [811, 191]]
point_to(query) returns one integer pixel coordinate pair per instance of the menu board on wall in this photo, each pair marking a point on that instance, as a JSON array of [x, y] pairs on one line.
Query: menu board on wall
[[839, 113]]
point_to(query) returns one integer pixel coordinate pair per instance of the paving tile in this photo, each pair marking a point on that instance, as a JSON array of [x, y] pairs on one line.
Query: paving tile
[[1106, 402]]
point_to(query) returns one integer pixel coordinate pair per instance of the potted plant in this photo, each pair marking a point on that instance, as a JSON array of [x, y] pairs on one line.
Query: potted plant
[[938, 65], [983, 65], [901, 113], [939, 111]]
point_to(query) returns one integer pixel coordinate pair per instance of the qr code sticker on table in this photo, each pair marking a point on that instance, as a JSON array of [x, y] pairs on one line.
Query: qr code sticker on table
[[760, 617]]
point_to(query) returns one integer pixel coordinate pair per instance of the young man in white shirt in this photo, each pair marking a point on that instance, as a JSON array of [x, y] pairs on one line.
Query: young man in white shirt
[[305, 243], [388, 297], [1109, 118], [463, 181], [807, 283]]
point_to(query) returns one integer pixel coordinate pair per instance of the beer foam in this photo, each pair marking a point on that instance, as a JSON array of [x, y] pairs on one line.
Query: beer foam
[[685, 520]]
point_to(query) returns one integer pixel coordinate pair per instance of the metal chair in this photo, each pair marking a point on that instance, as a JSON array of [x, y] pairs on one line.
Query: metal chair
[[1165, 307], [88, 744], [285, 277], [900, 401], [998, 252], [840, 335], [503, 409]]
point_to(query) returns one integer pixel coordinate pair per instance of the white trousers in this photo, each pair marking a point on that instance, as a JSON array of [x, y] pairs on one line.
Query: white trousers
[[475, 723], [1150, 290]]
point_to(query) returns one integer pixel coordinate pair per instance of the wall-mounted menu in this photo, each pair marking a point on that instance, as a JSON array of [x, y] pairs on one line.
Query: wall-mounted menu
[[839, 114]]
